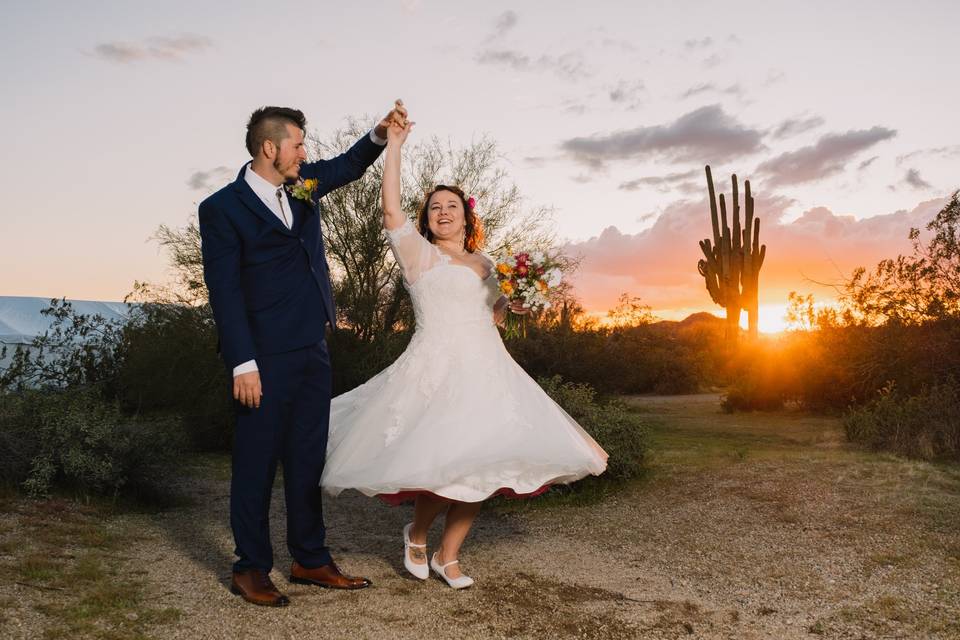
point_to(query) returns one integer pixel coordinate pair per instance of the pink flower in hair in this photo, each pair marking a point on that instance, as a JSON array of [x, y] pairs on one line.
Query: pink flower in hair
[[472, 202]]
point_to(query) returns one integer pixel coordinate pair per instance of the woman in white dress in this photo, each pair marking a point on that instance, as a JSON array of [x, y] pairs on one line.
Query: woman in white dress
[[454, 420]]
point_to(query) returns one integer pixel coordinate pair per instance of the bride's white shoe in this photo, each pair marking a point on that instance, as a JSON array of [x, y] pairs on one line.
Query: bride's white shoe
[[461, 582], [421, 571]]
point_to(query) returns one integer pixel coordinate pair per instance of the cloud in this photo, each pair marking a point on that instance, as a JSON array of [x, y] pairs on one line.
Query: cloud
[[866, 163], [827, 157], [938, 152], [661, 183], [796, 126], [207, 180], [773, 77], [660, 263], [618, 43], [505, 22], [693, 44], [158, 48], [627, 93], [706, 135], [570, 66], [573, 106], [714, 60], [709, 87], [914, 180]]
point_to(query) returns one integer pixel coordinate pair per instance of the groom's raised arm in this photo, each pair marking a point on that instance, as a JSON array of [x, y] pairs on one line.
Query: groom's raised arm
[[220, 246], [350, 165], [346, 167]]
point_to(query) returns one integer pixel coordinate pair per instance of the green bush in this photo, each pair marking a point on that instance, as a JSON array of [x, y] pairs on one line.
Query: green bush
[[72, 439], [628, 360], [170, 366], [926, 425], [612, 425]]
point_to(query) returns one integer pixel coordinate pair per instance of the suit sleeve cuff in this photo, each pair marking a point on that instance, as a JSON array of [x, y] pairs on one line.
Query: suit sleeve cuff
[[246, 367], [376, 139]]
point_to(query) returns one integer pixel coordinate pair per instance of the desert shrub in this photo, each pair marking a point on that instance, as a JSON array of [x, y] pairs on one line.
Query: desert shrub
[[170, 366], [615, 428], [751, 394], [642, 359], [355, 360], [925, 425], [74, 440]]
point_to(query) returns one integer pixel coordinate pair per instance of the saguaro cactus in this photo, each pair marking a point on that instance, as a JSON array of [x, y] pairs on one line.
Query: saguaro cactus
[[733, 260]]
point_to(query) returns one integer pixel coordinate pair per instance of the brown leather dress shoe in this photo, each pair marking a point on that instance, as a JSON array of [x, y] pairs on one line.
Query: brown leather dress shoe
[[256, 586], [328, 576]]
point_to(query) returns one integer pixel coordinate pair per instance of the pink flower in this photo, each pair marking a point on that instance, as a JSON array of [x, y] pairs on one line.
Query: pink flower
[[471, 202]]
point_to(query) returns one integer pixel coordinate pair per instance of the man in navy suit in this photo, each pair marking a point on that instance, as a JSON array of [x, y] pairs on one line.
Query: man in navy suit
[[270, 291]]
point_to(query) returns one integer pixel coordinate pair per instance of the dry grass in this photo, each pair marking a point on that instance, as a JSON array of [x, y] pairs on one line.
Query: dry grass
[[65, 574]]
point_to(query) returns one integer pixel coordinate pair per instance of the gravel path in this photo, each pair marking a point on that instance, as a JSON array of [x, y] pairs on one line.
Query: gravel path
[[816, 540]]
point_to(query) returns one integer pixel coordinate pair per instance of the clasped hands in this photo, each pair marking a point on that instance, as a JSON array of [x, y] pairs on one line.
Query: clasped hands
[[395, 125]]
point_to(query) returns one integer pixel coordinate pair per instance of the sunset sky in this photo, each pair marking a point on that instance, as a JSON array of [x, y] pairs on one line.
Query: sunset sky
[[124, 115]]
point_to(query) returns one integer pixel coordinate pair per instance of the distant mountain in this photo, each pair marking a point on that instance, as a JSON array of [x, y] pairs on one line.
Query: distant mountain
[[693, 320]]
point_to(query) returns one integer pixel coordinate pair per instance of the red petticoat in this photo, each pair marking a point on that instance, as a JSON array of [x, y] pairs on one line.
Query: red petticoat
[[400, 497]]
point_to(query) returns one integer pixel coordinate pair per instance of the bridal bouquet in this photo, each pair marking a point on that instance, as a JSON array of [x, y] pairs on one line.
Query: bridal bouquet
[[527, 277]]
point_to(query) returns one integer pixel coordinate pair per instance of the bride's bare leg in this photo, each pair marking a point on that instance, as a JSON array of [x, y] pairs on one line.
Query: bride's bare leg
[[426, 508], [460, 518]]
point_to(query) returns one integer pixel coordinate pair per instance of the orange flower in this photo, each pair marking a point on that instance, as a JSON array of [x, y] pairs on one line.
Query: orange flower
[[506, 288], [542, 286], [504, 269], [310, 184]]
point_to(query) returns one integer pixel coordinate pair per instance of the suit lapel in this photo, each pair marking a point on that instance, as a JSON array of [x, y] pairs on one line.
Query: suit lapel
[[301, 211], [253, 202]]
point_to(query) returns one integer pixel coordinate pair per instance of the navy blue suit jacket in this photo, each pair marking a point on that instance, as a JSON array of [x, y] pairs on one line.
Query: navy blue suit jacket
[[269, 286]]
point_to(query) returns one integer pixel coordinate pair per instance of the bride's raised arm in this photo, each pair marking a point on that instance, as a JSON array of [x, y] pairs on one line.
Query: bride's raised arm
[[393, 215]]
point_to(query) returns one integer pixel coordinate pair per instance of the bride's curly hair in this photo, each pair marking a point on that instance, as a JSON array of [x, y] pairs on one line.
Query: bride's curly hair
[[473, 227]]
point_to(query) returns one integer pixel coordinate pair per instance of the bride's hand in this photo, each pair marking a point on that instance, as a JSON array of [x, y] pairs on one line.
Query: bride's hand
[[397, 133], [398, 114], [500, 315], [517, 307]]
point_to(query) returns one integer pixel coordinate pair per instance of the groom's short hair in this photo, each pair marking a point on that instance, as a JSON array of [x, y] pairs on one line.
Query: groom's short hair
[[269, 123]]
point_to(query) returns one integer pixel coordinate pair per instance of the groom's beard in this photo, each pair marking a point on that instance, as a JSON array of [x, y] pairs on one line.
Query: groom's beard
[[279, 169]]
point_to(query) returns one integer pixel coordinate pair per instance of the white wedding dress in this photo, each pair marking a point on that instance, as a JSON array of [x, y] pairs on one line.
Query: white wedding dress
[[454, 415]]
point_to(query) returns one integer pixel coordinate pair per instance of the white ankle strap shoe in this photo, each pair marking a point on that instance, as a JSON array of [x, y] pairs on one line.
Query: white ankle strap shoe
[[457, 583], [421, 571]]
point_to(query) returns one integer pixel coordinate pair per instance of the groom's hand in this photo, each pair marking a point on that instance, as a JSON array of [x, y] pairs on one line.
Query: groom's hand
[[398, 114], [246, 389]]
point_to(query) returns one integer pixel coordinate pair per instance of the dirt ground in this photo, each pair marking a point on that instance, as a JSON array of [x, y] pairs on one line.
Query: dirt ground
[[762, 525]]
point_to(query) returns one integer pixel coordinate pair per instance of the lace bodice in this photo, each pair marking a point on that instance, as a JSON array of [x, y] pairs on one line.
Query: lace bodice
[[443, 293]]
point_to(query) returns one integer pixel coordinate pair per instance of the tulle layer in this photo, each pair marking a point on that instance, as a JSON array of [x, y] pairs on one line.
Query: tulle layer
[[454, 416]]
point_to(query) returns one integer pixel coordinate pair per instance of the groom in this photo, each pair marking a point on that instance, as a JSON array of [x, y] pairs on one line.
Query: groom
[[270, 291]]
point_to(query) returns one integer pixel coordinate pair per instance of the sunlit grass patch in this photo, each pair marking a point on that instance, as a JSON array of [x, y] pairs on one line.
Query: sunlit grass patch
[[66, 560]]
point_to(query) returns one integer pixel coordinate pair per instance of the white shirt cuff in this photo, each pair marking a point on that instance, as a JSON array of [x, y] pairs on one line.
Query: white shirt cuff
[[246, 367], [376, 139]]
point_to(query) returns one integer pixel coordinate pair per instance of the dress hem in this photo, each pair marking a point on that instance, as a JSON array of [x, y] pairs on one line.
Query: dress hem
[[409, 495]]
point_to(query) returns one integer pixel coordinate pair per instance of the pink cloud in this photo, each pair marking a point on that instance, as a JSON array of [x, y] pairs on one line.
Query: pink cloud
[[660, 263]]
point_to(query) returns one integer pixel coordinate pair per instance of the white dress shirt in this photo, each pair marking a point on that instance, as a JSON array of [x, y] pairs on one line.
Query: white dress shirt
[[267, 192]]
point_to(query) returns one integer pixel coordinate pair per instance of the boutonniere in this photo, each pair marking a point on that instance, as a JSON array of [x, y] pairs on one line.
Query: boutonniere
[[304, 189]]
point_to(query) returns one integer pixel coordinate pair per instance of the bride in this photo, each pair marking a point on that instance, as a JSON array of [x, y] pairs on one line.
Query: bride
[[454, 420]]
